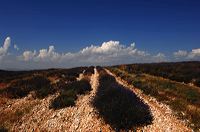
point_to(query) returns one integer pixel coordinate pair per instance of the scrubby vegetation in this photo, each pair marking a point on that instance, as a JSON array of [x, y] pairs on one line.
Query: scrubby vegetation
[[9, 76], [119, 106], [183, 99], [69, 93], [39, 84], [21, 88], [89, 71], [187, 72]]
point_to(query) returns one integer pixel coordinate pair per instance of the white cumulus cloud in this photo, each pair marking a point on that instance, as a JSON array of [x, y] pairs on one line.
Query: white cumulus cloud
[[195, 53], [180, 53], [4, 48], [111, 52], [28, 55], [187, 55], [108, 53], [160, 57], [48, 54]]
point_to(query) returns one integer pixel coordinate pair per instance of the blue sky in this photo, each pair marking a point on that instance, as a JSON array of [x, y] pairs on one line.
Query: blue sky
[[155, 26]]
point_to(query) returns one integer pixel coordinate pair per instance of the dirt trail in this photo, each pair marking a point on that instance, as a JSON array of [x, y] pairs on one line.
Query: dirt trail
[[81, 117], [164, 120], [85, 116]]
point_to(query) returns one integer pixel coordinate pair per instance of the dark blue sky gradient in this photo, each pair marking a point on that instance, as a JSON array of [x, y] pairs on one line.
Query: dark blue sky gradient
[[155, 25]]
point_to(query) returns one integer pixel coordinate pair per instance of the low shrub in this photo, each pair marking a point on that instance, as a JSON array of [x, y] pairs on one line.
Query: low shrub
[[22, 88], [62, 101], [118, 106], [68, 94], [89, 71]]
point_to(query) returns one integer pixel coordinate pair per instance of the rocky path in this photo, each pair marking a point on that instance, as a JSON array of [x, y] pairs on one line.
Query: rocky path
[[80, 118], [85, 116], [164, 120]]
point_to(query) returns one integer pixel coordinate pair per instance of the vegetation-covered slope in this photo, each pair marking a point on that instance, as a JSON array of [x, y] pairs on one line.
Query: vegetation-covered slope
[[188, 72], [37, 85], [182, 98]]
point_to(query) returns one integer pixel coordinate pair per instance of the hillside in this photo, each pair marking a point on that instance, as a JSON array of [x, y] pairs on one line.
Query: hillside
[[166, 83], [117, 98], [187, 72]]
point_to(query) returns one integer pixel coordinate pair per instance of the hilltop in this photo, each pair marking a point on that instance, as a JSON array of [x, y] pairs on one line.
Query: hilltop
[[148, 97]]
